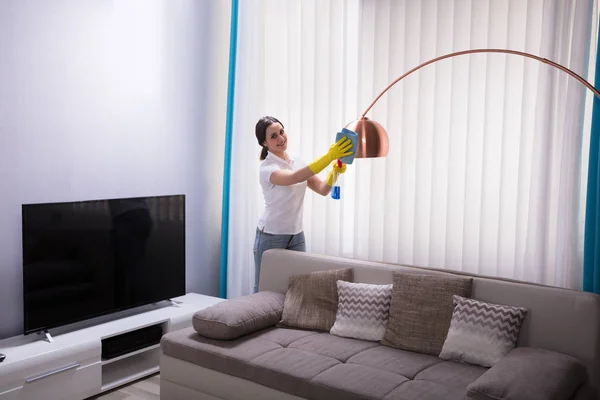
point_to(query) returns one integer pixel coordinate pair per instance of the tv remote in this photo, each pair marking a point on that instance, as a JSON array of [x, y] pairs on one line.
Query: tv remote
[[2, 357]]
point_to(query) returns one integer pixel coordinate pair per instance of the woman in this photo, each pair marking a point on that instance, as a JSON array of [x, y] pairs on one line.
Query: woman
[[283, 179]]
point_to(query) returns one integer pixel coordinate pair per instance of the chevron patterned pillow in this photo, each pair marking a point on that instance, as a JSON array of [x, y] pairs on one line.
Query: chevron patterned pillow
[[481, 333], [363, 310]]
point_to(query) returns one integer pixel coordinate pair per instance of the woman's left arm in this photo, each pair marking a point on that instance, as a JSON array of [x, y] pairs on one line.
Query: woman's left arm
[[324, 187]]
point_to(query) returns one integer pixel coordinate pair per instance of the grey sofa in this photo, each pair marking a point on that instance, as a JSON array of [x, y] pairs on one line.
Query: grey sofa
[[281, 363]]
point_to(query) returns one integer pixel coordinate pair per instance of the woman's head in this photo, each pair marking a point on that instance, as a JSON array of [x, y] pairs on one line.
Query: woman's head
[[271, 136]]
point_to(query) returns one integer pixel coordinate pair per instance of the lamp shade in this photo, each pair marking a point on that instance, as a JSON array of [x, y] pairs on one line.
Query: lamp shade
[[372, 138]]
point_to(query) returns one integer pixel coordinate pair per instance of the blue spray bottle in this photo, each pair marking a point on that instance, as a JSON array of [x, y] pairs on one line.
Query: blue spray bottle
[[336, 190]]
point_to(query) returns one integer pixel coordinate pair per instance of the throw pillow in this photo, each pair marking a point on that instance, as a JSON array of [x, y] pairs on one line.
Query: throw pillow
[[363, 310], [311, 299], [421, 310], [482, 333], [233, 318]]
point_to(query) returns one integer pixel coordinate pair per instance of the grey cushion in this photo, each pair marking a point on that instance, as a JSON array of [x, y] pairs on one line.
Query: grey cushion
[[530, 373], [311, 299], [421, 310], [233, 318], [482, 333], [323, 366], [363, 310]]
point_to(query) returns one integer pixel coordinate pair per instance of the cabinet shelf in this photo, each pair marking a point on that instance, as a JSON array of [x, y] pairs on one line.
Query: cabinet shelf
[[130, 368], [112, 360]]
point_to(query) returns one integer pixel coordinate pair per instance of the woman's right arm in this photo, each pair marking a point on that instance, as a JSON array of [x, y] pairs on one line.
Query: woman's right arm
[[337, 150]]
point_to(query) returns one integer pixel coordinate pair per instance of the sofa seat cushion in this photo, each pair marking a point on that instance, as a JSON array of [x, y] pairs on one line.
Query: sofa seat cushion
[[451, 373], [319, 365], [365, 382], [401, 362], [425, 390], [336, 347]]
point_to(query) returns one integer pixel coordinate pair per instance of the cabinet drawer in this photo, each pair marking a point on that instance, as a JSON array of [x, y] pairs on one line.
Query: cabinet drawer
[[68, 381], [23, 363]]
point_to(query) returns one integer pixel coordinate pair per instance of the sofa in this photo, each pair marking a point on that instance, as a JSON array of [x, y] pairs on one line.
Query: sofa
[[241, 349]]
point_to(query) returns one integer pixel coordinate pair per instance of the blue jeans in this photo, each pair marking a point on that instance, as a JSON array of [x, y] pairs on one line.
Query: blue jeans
[[265, 241]]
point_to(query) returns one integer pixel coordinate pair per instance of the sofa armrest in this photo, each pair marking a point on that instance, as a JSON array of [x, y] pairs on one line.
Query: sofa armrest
[[530, 374], [233, 318]]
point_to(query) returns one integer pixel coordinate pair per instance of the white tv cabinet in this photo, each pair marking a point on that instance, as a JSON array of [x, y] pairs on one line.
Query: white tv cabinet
[[71, 365]]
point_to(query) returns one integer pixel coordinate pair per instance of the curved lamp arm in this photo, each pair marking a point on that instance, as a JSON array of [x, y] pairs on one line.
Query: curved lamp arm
[[460, 53], [372, 137]]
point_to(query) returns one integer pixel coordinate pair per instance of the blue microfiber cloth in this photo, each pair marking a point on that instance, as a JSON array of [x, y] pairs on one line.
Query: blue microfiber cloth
[[353, 138]]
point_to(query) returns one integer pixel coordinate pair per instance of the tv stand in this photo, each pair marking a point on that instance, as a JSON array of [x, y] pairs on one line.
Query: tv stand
[[72, 366]]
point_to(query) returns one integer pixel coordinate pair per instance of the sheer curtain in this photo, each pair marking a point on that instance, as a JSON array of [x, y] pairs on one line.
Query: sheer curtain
[[485, 164]]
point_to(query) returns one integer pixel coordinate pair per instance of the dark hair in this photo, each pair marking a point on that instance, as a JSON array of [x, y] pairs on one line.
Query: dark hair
[[261, 133]]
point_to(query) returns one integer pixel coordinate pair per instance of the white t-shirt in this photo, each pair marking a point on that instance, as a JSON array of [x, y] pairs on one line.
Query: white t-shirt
[[284, 205]]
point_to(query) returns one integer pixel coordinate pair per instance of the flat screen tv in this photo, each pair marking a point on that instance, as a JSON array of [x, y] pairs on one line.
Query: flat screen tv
[[86, 259]]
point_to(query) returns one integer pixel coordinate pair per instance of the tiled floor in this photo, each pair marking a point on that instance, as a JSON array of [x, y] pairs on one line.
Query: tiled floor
[[144, 389]]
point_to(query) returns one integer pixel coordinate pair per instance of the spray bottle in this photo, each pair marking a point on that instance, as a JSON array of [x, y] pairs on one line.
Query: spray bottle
[[353, 137], [336, 190]]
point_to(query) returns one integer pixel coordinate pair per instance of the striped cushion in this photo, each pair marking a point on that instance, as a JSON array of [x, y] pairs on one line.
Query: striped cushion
[[363, 310], [481, 333]]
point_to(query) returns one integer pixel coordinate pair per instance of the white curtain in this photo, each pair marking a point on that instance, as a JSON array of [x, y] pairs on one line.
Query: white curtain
[[484, 172]]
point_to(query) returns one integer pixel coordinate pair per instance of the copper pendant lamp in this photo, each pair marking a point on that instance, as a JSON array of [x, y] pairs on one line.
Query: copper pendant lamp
[[372, 136]]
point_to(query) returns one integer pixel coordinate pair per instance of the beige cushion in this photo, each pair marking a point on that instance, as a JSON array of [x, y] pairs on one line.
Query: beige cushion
[[311, 299], [236, 317], [421, 310]]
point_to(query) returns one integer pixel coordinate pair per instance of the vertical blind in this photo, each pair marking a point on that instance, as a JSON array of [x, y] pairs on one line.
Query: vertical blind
[[487, 152]]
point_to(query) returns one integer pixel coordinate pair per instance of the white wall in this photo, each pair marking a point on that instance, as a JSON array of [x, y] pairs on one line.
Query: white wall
[[112, 98]]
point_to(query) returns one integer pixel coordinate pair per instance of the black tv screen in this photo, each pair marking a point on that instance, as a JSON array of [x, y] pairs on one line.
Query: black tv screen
[[90, 258]]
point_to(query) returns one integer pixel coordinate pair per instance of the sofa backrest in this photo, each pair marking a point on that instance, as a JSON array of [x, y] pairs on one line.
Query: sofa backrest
[[563, 320]]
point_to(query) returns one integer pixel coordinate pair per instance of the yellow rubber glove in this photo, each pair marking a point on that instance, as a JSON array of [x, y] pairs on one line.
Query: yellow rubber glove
[[335, 173], [337, 150]]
